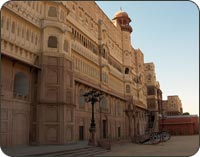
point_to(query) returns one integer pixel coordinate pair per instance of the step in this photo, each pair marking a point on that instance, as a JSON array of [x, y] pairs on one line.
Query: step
[[62, 151], [81, 152], [94, 153]]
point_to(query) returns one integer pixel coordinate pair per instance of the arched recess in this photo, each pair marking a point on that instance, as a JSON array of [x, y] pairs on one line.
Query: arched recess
[[21, 84], [81, 98], [128, 58], [66, 46], [105, 73], [128, 89], [20, 134], [105, 51], [127, 53], [52, 42], [103, 103], [126, 70], [52, 12]]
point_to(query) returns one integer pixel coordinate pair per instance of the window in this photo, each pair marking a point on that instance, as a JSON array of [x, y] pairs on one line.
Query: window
[[32, 37], [151, 119], [36, 38], [80, 15], [2, 21], [150, 91], [126, 70], [73, 7], [65, 46], [21, 84], [104, 53], [27, 35], [104, 77], [22, 33], [37, 7], [128, 89], [62, 15], [119, 132], [33, 6], [18, 30], [149, 77], [81, 98], [118, 105], [52, 42], [7, 24], [103, 102], [149, 67], [52, 11], [40, 9]]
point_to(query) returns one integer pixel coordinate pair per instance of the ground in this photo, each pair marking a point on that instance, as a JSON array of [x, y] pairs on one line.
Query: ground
[[176, 146]]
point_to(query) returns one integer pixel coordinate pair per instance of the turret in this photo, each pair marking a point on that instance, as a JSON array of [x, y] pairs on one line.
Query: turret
[[122, 19]]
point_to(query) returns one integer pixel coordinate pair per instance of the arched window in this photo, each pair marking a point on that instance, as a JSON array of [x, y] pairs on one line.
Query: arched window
[[37, 7], [22, 32], [52, 11], [81, 98], [21, 84], [2, 21], [118, 105], [27, 35], [36, 39], [128, 89], [7, 24], [103, 102], [52, 42], [149, 67], [40, 9], [29, 3], [126, 70], [104, 53], [65, 46], [33, 6], [73, 7], [32, 38], [149, 77], [18, 30], [150, 91]]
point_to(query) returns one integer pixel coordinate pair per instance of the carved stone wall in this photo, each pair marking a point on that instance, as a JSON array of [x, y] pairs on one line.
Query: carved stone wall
[[60, 47], [55, 109], [112, 113], [15, 107]]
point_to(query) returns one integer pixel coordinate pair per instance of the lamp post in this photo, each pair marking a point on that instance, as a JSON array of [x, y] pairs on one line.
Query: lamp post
[[93, 96]]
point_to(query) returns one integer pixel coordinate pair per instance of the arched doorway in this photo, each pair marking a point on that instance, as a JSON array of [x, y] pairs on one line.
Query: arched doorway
[[104, 127], [20, 134]]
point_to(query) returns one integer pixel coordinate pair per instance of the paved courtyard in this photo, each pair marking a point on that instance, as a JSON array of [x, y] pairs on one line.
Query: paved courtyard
[[176, 146]]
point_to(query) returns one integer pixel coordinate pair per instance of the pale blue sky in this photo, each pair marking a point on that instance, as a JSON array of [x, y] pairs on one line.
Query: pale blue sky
[[168, 35]]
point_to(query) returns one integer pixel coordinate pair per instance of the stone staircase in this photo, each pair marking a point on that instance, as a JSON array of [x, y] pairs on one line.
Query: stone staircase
[[108, 144], [87, 151]]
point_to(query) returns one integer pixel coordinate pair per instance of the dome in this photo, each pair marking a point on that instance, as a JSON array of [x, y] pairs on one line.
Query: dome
[[122, 19], [121, 14]]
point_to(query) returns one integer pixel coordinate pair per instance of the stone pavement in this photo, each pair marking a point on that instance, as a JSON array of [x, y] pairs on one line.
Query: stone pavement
[[176, 146], [28, 150]]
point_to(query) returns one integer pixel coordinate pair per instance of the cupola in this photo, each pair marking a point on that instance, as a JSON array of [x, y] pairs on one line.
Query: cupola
[[123, 20]]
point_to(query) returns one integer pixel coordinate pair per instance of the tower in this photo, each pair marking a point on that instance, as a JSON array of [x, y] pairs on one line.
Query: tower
[[122, 19]]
